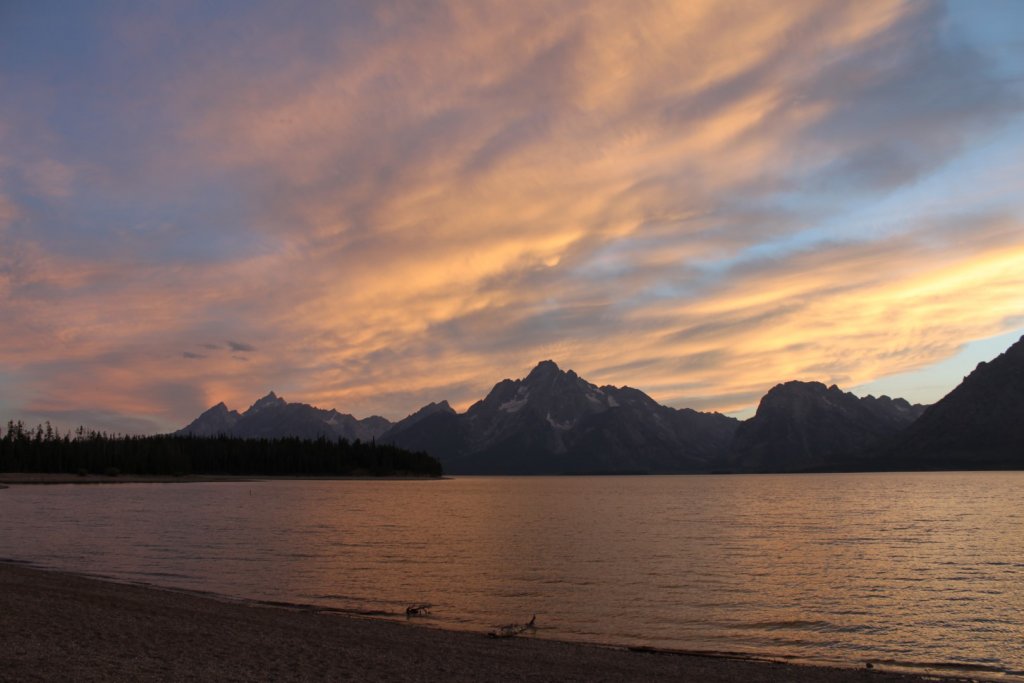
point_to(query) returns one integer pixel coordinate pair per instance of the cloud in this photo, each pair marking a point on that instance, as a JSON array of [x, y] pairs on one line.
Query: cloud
[[50, 178], [843, 312], [8, 212], [240, 346], [406, 204]]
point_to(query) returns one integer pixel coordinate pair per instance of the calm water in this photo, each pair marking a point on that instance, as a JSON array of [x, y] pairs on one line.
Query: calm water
[[916, 570]]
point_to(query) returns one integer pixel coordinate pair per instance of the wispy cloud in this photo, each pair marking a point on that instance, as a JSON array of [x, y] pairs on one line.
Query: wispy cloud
[[405, 204], [50, 178], [240, 346]]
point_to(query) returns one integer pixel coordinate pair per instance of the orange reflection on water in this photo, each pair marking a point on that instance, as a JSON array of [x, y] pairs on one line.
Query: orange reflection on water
[[906, 568]]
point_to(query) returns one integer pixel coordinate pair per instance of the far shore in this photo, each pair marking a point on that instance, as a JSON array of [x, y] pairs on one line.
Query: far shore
[[61, 626], [59, 478]]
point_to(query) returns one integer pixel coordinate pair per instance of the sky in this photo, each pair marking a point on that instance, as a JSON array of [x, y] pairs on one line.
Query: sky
[[371, 205]]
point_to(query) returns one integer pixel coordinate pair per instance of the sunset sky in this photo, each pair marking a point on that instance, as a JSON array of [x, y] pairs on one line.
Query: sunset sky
[[373, 205]]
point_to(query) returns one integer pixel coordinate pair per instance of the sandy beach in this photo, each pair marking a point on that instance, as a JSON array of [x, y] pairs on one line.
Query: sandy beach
[[59, 626]]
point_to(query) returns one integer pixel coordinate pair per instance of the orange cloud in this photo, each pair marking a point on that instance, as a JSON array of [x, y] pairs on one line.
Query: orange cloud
[[844, 313], [436, 198]]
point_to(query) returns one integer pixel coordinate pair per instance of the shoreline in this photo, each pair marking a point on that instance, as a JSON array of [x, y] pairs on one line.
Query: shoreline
[[46, 478], [61, 625]]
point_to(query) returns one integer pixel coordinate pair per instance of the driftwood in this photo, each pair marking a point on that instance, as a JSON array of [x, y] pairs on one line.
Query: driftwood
[[509, 630], [418, 609]]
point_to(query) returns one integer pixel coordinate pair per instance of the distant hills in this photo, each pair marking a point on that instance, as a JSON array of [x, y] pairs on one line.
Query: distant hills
[[273, 417], [555, 422], [806, 425], [980, 422]]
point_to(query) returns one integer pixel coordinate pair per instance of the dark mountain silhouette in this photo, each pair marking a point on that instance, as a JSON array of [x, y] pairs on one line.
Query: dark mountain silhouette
[[978, 425], [806, 425], [216, 421], [555, 422], [423, 413], [271, 417]]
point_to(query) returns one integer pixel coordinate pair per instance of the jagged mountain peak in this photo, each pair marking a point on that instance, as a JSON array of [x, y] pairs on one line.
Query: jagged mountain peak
[[545, 368], [548, 376], [800, 425], [213, 422], [436, 407], [554, 421], [273, 417], [271, 400], [557, 395], [981, 420], [627, 396], [817, 396], [431, 408], [809, 395], [795, 386]]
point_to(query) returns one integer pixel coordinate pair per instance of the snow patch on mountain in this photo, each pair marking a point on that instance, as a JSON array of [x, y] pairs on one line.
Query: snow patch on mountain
[[568, 424], [513, 406]]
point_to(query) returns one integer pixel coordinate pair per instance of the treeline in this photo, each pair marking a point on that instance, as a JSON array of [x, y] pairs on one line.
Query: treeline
[[44, 449]]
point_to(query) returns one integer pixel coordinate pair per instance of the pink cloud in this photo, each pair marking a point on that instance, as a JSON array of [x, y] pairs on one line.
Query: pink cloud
[[434, 199]]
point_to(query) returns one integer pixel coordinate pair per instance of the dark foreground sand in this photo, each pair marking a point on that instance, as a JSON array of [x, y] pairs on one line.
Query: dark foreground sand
[[63, 627]]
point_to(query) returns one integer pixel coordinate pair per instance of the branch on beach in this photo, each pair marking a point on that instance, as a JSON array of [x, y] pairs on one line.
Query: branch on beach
[[510, 630], [418, 609]]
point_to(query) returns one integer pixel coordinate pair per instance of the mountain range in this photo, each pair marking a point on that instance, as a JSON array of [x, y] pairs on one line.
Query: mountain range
[[555, 422], [980, 422], [273, 417]]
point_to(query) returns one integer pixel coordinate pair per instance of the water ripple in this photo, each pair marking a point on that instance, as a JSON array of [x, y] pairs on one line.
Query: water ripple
[[908, 571]]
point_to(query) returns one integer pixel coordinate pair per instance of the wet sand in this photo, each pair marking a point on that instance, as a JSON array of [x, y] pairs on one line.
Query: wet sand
[[59, 626]]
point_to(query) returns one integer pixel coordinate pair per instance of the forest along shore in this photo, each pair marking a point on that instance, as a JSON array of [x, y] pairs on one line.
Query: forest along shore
[[32, 478], [43, 449], [60, 626], [9, 478]]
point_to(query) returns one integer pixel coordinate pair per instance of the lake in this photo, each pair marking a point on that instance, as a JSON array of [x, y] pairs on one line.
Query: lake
[[923, 571]]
